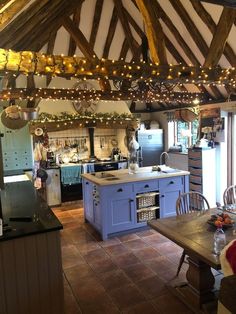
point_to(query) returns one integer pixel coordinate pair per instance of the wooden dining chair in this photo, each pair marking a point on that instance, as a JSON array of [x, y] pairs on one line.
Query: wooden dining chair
[[229, 195], [188, 203]]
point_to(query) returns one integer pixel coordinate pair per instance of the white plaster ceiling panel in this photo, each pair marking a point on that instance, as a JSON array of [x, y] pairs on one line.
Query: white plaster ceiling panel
[[61, 42], [103, 27], [169, 10]]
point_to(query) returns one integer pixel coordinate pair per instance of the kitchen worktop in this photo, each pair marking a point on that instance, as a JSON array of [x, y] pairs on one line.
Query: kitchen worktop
[[123, 176], [21, 199]]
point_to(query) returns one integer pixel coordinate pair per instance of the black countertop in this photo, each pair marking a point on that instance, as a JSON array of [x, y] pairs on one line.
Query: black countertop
[[21, 199]]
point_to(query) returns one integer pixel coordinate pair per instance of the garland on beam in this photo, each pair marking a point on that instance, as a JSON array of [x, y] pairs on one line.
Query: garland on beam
[[66, 120]]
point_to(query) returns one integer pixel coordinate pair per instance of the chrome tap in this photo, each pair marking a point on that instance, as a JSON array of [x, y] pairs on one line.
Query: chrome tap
[[162, 154]]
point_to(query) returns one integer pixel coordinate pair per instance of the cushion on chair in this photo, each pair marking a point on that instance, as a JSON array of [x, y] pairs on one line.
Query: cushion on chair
[[228, 259], [227, 294]]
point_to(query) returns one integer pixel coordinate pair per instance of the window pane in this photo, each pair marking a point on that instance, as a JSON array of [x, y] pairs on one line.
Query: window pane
[[181, 139], [187, 133], [194, 131]]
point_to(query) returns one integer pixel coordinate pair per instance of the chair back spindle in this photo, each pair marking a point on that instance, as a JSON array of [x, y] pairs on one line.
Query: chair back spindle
[[229, 196]]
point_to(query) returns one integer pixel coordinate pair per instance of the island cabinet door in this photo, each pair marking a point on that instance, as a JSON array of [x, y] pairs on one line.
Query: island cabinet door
[[120, 208], [88, 199], [170, 189]]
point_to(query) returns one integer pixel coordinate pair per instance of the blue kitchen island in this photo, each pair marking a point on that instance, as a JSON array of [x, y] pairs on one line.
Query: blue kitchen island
[[116, 201]]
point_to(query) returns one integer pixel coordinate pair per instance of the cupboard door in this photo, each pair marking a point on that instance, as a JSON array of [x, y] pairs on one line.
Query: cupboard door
[[170, 189], [120, 214], [120, 208]]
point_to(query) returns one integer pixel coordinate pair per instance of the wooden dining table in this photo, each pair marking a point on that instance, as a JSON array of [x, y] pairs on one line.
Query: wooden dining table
[[194, 234]]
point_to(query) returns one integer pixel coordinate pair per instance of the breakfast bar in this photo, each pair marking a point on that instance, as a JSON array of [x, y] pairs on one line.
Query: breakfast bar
[[30, 252], [117, 201]]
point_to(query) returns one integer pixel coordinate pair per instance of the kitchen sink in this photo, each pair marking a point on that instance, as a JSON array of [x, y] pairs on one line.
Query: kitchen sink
[[103, 175], [112, 179], [171, 170]]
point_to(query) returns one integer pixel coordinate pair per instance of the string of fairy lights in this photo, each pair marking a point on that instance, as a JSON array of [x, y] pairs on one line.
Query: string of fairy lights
[[27, 62], [97, 95]]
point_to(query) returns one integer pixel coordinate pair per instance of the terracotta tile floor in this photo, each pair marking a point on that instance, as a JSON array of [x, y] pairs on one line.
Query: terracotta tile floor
[[125, 274]]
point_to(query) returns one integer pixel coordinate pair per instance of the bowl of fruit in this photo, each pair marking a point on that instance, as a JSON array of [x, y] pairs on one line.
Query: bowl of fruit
[[221, 220]]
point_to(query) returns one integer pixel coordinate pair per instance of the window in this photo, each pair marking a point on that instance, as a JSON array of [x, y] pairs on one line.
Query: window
[[186, 133]]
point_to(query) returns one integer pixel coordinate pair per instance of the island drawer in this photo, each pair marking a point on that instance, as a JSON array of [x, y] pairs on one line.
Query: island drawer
[[120, 190], [146, 186], [170, 184]]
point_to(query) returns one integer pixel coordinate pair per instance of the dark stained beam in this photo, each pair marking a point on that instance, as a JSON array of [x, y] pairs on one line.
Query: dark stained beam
[[72, 94], [111, 32], [208, 20], [227, 3], [35, 23], [124, 49], [14, 32], [10, 11], [96, 21], [50, 49], [220, 37], [31, 102], [154, 31], [126, 27], [79, 38], [195, 34], [76, 20]]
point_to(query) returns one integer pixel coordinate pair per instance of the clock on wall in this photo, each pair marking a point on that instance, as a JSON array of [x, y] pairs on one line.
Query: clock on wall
[[82, 106]]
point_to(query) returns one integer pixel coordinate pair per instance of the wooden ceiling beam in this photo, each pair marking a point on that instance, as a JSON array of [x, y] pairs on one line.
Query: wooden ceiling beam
[[124, 49], [26, 23], [78, 94], [31, 103], [7, 14], [77, 67], [190, 26], [50, 49], [96, 21], [43, 24], [227, 3], [195, 34], [111, 33], [220, 37], [180, 40], [127, 31], [208, 20], [154, 31], [79, 38], [76, 21]]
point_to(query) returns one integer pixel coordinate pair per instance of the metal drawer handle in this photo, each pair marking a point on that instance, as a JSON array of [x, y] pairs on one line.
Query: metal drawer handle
[[120, 190], [146, 186]]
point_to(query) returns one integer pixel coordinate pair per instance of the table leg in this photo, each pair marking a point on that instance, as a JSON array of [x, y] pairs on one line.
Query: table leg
[[199, 287]]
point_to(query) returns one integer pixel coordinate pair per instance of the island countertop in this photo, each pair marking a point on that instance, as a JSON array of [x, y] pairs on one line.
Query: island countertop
[[123, 176], [21, 199]]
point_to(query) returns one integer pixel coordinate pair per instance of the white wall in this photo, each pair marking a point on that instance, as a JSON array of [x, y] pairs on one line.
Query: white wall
[[221, 163]]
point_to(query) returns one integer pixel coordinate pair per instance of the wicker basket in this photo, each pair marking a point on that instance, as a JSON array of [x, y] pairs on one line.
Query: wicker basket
[[147, 214], [147, 200]]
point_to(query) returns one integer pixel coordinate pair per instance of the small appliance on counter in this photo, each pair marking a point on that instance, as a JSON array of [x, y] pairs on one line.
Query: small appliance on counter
[[115, 152]]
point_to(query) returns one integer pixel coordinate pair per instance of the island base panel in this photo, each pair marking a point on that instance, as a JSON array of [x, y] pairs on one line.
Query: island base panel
[[32, 270]]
